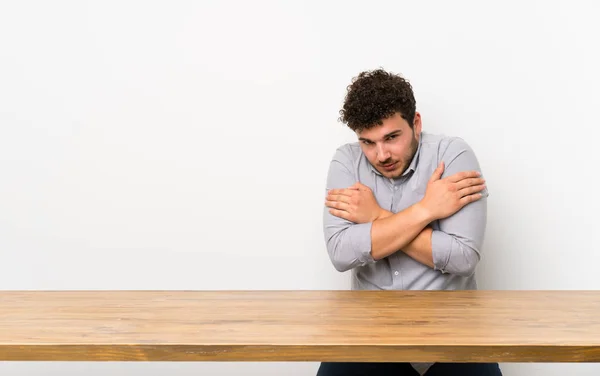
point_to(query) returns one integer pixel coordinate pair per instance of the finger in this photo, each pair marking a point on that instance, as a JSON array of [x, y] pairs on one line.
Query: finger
[[340, 198], [437, 173], [340, 213], [342, 191], [470, 198], [337, 205], [463, 175], [470, 190], [359, 186], [469, 183]]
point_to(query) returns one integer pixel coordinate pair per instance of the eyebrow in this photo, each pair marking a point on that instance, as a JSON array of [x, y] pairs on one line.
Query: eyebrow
[[386, 136]]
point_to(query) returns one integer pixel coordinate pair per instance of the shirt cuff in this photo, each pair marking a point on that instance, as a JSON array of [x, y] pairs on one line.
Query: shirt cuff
[[441, 248], [360, 240]]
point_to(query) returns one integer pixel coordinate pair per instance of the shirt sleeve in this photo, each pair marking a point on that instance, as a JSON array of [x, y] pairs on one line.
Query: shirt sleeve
[[456, 245], [348, 243]]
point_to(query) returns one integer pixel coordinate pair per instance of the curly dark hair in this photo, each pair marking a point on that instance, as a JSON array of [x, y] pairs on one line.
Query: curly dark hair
[[376, 95]]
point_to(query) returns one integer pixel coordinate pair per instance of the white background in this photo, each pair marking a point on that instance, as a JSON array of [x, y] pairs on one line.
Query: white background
[[185, 144]]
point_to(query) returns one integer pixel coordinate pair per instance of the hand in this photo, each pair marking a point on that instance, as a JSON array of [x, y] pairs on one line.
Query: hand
[[445, 197], [356, 204]]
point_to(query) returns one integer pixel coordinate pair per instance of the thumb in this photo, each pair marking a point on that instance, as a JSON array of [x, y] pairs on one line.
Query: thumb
[[359, 186], [437, 174]]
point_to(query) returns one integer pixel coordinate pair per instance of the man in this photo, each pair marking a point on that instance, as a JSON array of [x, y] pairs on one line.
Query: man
[[405, 209]]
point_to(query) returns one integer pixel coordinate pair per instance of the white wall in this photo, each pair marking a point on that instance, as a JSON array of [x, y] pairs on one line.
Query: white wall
[[184, 145]]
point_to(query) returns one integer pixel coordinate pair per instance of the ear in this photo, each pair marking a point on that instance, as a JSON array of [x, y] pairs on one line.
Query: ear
[[417, 125]]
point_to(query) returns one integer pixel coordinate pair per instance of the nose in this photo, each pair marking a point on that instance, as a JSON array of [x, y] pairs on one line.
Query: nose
[[382, 153]]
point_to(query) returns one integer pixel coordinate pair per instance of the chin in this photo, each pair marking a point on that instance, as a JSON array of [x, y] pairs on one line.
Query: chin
[[391, 175], [395, 174]]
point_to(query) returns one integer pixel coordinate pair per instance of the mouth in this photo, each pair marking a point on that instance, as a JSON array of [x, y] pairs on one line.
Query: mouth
[[389, 167]]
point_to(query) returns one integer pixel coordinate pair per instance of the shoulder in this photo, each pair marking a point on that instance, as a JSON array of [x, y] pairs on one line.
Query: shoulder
[[456, 154], [348, 154], [444, 148], [345, 167]]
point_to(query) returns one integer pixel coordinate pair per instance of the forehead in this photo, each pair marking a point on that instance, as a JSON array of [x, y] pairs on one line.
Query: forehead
[[390, 125]]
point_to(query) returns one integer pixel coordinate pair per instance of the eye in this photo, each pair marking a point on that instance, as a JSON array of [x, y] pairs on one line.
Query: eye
[[366, 142]]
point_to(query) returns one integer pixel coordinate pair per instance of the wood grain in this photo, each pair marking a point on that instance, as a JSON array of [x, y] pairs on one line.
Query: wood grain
[[418, 326]]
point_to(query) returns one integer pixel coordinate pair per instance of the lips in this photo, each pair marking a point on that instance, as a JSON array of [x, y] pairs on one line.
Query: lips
[[389, 166]]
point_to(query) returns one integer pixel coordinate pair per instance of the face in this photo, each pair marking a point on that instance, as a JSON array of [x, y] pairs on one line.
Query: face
[[390, 147]]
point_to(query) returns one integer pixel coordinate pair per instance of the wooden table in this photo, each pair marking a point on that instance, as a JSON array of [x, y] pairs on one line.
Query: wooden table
[[417, 326]]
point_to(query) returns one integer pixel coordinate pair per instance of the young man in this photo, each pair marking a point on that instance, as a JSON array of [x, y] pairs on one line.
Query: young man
[[405, 209]]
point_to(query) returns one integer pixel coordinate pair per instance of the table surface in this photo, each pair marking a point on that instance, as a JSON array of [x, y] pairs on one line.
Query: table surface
[[452, 326]]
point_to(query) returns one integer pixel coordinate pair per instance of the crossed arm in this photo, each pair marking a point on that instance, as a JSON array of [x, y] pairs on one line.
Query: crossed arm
[[358, 231]]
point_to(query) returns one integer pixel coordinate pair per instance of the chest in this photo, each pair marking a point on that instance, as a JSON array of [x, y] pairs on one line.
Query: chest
[[397, 197], [401, 193]]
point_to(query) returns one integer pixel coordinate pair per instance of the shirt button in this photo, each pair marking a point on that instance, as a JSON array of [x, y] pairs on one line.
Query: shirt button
[[395, 188], [396, 272]]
